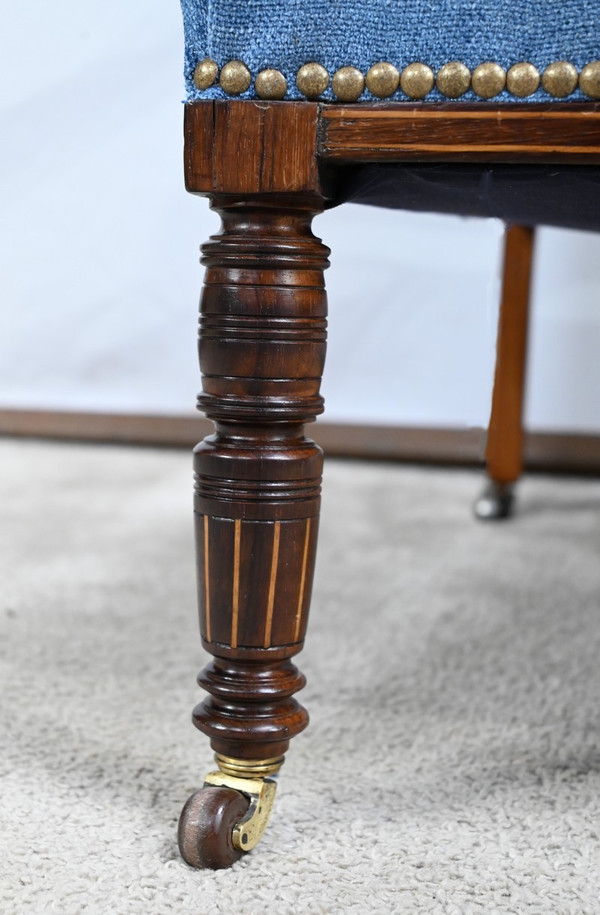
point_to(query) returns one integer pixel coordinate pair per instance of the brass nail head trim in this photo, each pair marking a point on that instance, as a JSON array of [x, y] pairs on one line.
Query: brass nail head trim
[[235, 77], [348, 84], [417, 80], [270, 84], [589, 79], [522, 79], [312, 80], [383, 79], [205, 73], [488, 80], [453, 79], [560, 79]]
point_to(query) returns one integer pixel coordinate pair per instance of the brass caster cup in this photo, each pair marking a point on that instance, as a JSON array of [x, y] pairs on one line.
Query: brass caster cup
[[248, 831]]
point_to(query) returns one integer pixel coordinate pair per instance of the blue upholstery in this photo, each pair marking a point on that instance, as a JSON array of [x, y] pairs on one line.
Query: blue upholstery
[[285, 34]]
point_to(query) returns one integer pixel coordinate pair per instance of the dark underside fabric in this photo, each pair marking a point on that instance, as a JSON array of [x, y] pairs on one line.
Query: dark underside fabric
[[564, 196]]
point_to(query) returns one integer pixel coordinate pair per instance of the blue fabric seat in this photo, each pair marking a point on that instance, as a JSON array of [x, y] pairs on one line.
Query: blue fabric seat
[[559, 40]]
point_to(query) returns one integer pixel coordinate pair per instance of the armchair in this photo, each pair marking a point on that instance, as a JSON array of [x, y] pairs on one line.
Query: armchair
[[484, 109]]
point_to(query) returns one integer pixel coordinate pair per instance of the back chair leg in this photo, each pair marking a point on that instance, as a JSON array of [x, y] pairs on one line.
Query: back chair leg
[[504, 451]]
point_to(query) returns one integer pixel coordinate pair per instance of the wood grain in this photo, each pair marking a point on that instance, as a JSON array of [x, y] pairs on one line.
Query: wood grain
[[272, 583], [504, 451], [258, 478], [199, 132], [461, 132], [248, 147]]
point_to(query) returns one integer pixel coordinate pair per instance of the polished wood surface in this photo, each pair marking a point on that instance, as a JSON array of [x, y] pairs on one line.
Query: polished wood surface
[[318, 135], [239, 147], [206, 826], [268, 168], [504, 451], [461, 132], [258, 478]]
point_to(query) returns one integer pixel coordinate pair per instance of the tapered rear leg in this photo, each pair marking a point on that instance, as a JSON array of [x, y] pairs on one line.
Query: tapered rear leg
[[504, 451]]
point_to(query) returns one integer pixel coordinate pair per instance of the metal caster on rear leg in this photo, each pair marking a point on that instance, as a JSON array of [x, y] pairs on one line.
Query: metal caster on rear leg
[[495, 502]]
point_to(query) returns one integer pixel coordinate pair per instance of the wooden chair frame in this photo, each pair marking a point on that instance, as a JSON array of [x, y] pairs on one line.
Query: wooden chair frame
[[268, 168], [504, 451]]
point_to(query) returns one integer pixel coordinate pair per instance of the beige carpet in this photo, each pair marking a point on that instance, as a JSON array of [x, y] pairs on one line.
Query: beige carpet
[[453, 760]]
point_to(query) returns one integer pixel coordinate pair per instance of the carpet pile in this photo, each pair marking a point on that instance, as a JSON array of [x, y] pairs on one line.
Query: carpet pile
[[452, 764]]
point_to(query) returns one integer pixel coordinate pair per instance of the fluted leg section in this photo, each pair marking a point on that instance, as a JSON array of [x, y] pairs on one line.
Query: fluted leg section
[[258, 479]]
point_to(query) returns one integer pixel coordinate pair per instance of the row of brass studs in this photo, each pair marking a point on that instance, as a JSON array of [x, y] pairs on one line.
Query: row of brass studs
[[487, 80]]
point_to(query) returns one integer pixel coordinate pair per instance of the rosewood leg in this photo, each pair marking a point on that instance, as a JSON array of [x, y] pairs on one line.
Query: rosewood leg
[[257, 496], [504, 452]]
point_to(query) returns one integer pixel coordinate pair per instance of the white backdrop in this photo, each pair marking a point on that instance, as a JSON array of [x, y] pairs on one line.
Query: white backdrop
[[98, 252]]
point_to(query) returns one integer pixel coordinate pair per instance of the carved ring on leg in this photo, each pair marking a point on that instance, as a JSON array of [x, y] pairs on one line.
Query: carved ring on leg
[[257, 496], [258, 477]]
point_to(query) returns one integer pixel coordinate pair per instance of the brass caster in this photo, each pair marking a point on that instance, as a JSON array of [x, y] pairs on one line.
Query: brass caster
[[495, 502], [227, 817], [260, 792]]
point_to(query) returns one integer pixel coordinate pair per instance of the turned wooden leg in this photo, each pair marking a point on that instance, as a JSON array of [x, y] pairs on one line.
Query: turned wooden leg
[[257, 496], [504, 452]]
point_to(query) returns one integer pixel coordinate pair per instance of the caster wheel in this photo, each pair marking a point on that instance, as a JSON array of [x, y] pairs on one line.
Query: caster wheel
[[206, 825], [495, 502]]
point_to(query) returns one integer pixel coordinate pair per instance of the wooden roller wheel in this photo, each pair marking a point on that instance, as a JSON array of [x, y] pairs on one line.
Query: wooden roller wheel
[[206, 826]]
